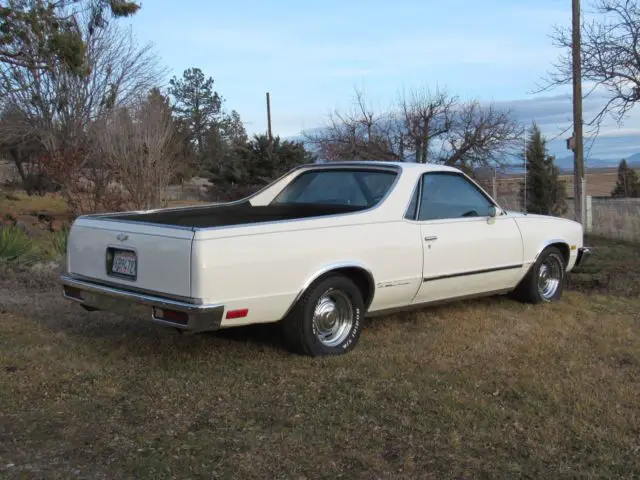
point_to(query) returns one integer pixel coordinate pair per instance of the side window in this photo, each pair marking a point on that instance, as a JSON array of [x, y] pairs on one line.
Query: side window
[[448, 195]]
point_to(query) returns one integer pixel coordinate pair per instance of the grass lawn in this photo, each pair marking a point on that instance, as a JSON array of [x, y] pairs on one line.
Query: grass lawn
[[480, 389]]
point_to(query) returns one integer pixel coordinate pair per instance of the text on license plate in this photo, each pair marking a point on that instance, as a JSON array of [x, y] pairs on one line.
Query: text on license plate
[[124, 263]]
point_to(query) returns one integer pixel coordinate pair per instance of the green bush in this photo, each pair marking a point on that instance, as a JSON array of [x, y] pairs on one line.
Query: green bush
[[15, 244]]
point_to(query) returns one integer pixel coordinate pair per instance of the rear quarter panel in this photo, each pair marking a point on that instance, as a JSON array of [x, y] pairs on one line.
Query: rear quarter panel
[[264, 268]]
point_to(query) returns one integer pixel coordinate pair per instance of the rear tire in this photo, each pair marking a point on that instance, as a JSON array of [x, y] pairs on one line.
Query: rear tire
[[327, 320], [544, 283]]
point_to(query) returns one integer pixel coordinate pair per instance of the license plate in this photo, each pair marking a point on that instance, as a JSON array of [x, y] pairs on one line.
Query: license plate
[[124, 262]]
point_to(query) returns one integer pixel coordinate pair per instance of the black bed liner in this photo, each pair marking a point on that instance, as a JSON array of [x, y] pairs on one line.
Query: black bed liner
[[237, 214]]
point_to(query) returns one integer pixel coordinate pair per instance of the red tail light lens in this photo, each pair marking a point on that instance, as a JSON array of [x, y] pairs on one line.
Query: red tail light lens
[[171, 316], [237, 313]]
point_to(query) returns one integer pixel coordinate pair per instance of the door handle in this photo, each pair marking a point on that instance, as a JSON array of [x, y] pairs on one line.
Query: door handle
[[430, 238]]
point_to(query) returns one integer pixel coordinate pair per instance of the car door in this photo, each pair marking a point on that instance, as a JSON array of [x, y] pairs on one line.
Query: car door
[[467, 250]]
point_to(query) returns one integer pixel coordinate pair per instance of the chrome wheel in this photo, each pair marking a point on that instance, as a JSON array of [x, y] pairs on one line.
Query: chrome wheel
[[550, 275], [333, 317]]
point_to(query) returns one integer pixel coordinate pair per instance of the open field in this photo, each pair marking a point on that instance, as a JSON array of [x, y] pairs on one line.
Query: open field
[[600, 182], [480, 389]]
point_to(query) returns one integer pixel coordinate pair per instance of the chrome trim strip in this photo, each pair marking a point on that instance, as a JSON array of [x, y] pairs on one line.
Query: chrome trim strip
[[330, 268], [131, 289], [473, 272], [200, 318], [153, 301], [583, 254]]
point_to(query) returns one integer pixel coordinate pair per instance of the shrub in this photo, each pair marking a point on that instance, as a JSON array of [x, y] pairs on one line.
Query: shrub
[[15, 244]]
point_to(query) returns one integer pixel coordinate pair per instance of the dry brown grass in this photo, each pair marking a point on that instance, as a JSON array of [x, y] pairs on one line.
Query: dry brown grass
[[617, 219], [17, 202], [600, 182], [480, 389]]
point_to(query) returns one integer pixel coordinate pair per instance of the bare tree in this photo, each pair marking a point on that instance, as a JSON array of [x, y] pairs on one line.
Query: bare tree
[[17, 145], [610, 56], [360, 134], [58, 107], [477, 135], [426, 118], [431, 127], [138, 144]]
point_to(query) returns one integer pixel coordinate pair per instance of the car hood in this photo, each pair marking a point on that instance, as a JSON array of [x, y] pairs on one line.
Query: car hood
[[534, 216]]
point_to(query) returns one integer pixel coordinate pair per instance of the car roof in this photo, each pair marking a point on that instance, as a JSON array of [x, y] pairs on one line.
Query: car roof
[[425, 167]]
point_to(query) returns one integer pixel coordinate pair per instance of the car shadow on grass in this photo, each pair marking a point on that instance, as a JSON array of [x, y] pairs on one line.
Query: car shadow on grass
[[66, 321]]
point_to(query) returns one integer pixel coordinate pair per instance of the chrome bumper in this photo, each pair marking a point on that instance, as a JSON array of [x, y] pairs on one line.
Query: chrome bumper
[[583, 254], [192, 317]]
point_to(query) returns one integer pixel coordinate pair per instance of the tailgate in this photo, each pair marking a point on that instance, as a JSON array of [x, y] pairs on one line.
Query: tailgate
[[148, 257]]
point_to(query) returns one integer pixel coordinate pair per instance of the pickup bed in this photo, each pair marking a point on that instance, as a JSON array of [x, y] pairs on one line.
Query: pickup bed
[[317, 250]]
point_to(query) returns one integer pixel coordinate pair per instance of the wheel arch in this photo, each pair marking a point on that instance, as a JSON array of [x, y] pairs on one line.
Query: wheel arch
[[357, 272], [560, 244]]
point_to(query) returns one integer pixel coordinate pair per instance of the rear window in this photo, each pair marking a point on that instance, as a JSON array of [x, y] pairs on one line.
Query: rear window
[[357, 187]]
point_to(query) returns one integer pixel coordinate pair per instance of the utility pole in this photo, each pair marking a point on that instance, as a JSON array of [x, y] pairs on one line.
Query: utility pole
[[493, 183], [525, 172], [578, 152], [269, 119]]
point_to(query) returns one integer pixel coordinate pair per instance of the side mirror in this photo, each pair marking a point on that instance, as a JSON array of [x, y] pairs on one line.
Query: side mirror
[[492, 211]]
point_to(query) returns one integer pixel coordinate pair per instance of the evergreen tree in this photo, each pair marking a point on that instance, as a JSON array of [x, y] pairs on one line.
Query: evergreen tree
[[40, 35], [545, 191], [197, 104], [628, 184], [257, 162]]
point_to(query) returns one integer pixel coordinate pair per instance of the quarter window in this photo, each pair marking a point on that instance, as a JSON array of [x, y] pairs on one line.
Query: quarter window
[[449, 195]]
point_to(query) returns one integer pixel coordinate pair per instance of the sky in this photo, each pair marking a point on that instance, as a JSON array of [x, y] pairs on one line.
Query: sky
[[311, 56]]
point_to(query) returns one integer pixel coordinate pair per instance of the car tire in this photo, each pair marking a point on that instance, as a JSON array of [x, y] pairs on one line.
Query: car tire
[[545, 281], [327, 319]]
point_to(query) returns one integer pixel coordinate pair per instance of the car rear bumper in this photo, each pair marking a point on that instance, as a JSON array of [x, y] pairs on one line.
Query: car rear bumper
[[583, 254], [165, 311]]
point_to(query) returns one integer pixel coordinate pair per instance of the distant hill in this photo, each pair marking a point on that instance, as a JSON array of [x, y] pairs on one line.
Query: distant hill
[[566, 164], [634, 160]]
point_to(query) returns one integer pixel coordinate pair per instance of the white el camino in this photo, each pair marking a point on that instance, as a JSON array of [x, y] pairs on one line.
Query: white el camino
[[318, 250]]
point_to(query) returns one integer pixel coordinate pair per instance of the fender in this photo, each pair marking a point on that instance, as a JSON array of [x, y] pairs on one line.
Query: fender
[[554, 241]]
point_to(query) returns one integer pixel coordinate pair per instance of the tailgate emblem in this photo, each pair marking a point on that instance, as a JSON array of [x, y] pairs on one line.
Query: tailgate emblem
[[122, 237]]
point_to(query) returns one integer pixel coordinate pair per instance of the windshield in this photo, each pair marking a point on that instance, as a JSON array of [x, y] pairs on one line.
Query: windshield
[[357, 187]]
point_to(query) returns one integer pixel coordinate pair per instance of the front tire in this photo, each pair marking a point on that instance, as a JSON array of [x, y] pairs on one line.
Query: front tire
[[327, 320], [544, 283]]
